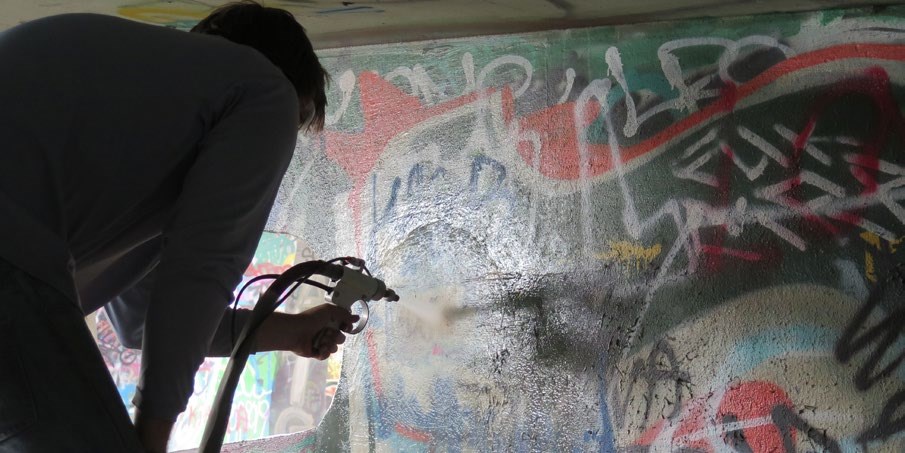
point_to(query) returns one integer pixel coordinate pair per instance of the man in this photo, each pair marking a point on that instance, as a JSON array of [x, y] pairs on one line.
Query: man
[[132, 152]]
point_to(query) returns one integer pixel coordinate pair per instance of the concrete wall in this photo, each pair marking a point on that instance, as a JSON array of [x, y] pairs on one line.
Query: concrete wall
[[678, 236]]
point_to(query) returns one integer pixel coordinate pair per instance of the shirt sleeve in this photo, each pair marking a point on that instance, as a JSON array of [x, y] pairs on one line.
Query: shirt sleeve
[[218, 220], [127, 315]]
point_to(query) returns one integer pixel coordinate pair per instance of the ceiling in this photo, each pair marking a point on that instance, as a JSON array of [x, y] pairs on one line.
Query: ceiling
[[346, 23]]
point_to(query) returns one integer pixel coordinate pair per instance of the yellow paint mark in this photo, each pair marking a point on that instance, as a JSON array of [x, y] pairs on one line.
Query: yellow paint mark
[[894, 244], [166, 13], [869, 270], [871, 239], [290, 259], [631, 254]]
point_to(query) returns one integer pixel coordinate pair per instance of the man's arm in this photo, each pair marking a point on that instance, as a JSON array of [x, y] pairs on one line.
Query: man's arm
[[153, 433], [296, 332], [292, 332], [127, 315], [216, 224], [279, 332]]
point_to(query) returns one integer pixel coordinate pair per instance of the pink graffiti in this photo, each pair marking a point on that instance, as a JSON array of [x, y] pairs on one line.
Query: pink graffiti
[[413, 433], [255, 270], [747, 407]]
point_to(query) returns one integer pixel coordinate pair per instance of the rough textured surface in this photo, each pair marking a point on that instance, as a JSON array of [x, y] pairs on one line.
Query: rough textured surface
[[332, 23], [678, 236]]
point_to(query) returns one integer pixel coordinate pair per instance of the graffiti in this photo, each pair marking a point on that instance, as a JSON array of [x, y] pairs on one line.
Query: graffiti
[[663, 237], [753, 417], [112, 351], [661, 367], [788, 420], [126, 362], [877, 344], [627, 253], [888, 424], [638, 238], [744, 393], [877, 339], [693, 216]]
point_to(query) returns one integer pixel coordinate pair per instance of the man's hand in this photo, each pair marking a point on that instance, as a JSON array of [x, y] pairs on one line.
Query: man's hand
[[318, 332], [297, 333], [152, 432]]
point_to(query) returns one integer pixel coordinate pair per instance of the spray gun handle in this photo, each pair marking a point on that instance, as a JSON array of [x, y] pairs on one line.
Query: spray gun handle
[[318, 341], [353, 287]]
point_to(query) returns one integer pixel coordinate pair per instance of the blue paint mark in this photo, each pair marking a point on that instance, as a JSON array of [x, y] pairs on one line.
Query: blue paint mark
[[371, 247], [394, 194], [606, 442], [850, 280], [391, 203], [479, 163], [754, 350], [416, 178], [351, 9], [439, 173]]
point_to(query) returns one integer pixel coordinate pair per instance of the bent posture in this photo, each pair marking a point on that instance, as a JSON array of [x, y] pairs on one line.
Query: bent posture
[[138, 165]]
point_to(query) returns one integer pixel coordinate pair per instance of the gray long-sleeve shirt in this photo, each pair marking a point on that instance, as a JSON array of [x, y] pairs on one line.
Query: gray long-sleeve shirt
[[125, 146]]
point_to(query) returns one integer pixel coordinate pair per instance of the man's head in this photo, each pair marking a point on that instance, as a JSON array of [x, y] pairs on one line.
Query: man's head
[[276, 34]]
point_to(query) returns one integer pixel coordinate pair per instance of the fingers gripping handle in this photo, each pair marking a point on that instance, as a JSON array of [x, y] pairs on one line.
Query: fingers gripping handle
[[362, 318], [320, 340], [354, 287]]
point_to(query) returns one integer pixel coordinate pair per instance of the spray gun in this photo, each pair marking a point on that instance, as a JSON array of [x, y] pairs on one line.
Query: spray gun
[[350, 286], [355, 287]]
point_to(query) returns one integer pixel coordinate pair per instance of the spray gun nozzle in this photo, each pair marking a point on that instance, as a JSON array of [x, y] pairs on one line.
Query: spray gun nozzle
[[356, 262]]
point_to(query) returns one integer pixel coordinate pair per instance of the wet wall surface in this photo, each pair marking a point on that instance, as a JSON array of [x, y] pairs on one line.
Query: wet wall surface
[[681, 236]]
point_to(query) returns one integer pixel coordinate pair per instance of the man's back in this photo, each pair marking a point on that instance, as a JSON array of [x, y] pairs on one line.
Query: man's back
[[111, 114], [125, 144]]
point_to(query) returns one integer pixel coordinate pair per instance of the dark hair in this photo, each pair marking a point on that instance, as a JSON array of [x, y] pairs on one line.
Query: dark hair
[[276, 34]]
